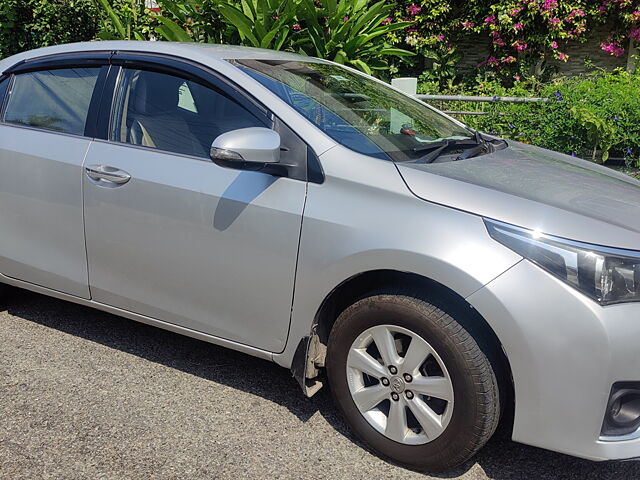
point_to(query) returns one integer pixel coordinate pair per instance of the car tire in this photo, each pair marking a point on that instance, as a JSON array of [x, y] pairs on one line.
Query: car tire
[[424, 432]]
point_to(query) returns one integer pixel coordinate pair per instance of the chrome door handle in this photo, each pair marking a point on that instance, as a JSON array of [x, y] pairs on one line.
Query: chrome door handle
[[107, 173]]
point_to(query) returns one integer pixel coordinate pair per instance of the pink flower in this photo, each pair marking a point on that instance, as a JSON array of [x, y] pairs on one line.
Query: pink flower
[[414, 9], [468, 24], [554, 21], [578, 12], [440, 38], [386, 21], [549, 5], [554, 45], [635, 34], [515, 12], [517, 78], [509, 59], [346, 19], [563, 57], [275, 17], [613, 48], [520, 46], [518, 26], [296, 28], [492, 60], [490, 19]]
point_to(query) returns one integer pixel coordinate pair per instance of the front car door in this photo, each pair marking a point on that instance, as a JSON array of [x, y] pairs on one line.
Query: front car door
[[172, 236], [44, 136]]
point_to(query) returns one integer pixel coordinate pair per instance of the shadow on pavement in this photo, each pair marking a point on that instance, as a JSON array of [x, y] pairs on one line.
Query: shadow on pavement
[[501, 459]]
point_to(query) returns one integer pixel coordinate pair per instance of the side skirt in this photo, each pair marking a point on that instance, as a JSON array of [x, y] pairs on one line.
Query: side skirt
[[140, 318]]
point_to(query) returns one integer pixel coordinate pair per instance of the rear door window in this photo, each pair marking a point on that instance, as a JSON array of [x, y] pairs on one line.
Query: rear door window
[[52, 99]]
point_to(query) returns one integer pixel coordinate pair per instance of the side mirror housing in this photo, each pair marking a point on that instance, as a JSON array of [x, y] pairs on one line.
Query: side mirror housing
[[251, 148]]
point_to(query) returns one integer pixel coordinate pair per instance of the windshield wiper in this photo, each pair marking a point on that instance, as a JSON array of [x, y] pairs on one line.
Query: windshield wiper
[[471, 147], [437, 148]]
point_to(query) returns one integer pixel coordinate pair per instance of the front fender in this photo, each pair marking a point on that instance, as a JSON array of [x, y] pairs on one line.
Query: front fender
[[350, 227]]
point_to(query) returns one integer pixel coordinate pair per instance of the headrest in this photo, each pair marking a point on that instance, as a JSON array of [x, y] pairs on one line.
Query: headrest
[[156, 93]]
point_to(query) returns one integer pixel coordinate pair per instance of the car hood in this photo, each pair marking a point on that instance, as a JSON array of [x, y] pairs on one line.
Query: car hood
[[538, 189]]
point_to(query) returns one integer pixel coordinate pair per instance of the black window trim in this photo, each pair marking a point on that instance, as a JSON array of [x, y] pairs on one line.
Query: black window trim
[[100, 108], [97, 59]]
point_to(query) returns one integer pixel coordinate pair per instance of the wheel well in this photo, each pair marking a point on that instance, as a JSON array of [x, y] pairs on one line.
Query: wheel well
[[391, 281]]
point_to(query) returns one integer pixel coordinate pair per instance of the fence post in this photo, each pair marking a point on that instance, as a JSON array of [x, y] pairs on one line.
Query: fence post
[[407, 85]]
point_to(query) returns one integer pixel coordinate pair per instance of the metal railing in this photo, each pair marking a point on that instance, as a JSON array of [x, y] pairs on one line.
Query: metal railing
[[480, 99]]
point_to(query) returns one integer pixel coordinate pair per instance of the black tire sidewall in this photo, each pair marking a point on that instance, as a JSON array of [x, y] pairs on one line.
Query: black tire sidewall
[[426, 321]]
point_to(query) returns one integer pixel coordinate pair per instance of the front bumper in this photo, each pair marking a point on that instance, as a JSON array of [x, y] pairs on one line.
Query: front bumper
[[565, 353]]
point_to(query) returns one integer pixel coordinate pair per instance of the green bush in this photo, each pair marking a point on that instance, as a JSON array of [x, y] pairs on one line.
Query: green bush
[[594, 116], [27, 24]]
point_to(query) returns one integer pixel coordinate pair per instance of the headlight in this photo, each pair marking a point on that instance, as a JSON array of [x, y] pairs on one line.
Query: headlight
[[608, 275]]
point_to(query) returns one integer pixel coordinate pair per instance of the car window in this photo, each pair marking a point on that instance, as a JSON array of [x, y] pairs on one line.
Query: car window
[[52, 99], [356, 110], [170, 113], [3, 90]]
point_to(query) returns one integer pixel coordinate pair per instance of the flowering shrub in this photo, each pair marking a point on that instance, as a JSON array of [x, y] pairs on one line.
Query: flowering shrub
[[521, 32]]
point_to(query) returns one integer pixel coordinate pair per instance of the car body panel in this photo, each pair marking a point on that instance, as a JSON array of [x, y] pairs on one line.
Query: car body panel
[[42, 239], [565, 352], [538, 189], [186, 241], [363, 218]]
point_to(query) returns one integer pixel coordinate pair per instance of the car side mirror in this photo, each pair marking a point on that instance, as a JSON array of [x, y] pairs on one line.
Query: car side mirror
[[246, 148]]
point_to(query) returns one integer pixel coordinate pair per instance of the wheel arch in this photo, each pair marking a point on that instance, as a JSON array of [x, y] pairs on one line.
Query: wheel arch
[[309, 358]]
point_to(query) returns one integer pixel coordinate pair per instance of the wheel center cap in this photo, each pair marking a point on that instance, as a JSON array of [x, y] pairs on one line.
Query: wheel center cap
[[397, 384]]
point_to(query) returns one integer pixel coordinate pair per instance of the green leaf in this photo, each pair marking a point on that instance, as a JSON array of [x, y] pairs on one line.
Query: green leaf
[[241, 22], [360, 65], [396, 51], [172, 31], [117, 24], [173, 7]]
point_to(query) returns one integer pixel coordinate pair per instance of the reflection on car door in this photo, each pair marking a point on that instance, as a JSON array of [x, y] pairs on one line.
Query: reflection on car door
[[172, 236], [41, 152]]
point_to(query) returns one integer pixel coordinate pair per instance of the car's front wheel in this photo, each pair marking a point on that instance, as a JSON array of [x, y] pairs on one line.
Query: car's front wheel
[[412, 383]]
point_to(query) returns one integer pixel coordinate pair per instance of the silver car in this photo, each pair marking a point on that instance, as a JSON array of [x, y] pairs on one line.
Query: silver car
[[436, 278]]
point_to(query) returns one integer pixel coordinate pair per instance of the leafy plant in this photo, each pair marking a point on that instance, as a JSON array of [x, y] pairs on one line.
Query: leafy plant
[[261, 23], [123, 20], [27, 24], [443, 68], [349, 32], [594, 116]]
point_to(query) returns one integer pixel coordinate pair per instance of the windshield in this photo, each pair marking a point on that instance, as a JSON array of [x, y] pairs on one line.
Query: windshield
[[355, 110]]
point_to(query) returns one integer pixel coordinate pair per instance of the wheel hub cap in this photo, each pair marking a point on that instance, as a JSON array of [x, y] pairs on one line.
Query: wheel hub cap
[[397, 384], [414, 405]]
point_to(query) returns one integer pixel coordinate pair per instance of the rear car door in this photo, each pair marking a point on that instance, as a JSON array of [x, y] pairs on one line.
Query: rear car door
[[45, 132], [171, 235]]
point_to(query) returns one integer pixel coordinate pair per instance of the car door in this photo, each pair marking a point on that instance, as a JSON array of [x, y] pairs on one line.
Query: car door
[[44, 135], [171, 235]]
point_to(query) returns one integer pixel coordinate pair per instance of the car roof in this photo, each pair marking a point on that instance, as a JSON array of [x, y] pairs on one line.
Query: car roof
[[214, 51]]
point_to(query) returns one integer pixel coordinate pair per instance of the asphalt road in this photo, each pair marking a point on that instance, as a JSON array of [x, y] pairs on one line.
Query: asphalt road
[[87, 395]]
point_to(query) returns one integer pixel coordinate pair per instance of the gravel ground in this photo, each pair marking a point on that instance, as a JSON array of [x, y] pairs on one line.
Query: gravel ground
[[87, 395]]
